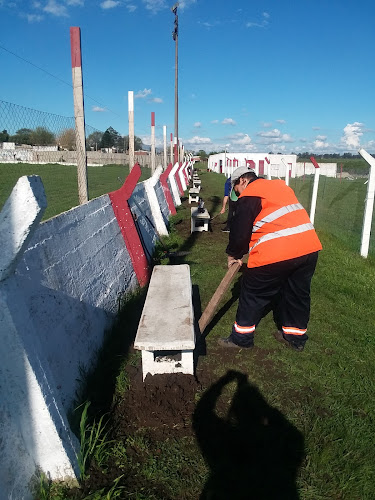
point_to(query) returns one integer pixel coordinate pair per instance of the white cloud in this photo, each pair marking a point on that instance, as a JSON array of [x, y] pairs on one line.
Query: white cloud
[[266, 124], [183, 4], [146, 139], [156, 99], [281, 121], [274, 136], [141, 94], [321, 137], [55, 9], [198, 140], [109, 4], [228, 121], [352, 134], [320, 144], [78, 3], [263, 23], [197, 124], [34, 18], [98, 109], [155, 5], [214, 121], [242, 141], [316, 128], [131, 8]]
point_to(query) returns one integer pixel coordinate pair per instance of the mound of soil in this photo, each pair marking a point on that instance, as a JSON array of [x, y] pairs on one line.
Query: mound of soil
[[163, 404]]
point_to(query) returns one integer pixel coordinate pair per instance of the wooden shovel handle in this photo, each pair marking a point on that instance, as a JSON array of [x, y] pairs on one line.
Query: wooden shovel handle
[[221, 289]]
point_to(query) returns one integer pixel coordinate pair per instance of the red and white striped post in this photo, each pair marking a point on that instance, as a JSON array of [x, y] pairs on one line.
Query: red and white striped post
[[153, 142], [79, 113], [165, 147], [315, 189], [172, 149], [131, 129]]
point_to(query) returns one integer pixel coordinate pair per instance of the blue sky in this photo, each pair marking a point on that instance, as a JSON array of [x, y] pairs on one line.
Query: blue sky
[[276, 75]]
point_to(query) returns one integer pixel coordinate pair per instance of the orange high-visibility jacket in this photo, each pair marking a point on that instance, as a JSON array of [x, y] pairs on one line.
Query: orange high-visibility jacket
[[283, 229]]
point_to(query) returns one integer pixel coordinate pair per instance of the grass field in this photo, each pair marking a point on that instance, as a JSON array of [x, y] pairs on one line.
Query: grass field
[[60, 182], [325, 395]]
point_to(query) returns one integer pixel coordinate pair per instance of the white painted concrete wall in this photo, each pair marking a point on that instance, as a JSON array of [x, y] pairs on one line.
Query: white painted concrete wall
[[34, 433], [71, 274], [174, 187], [144, 219], [60, 282], [307, 168], [277, 164], [157, 215]]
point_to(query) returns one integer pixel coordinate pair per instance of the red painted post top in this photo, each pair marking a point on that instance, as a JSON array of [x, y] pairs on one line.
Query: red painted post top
[[171, 137], [267, 160], [75, 46], [314, 162], [152, 118]]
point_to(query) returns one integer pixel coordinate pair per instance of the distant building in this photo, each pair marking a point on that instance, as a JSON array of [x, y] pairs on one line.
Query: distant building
[[8, 145]]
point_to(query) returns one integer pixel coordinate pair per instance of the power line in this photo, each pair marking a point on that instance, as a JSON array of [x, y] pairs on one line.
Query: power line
[[57, 78]]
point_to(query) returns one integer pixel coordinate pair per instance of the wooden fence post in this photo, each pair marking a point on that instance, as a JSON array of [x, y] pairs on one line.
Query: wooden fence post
[[79, 113]]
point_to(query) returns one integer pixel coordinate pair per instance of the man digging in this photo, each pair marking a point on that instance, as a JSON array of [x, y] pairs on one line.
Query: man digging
[[272, 226]]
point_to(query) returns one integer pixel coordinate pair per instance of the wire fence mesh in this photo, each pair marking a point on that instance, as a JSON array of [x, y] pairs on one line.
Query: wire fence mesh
[[45, 144], [339, 208]]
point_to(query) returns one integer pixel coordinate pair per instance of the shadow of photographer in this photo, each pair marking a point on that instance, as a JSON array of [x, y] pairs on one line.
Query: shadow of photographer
[[253, 452]]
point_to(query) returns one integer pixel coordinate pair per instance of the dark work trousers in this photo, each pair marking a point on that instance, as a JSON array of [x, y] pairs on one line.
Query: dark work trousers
[[284, 288], [231, 209]]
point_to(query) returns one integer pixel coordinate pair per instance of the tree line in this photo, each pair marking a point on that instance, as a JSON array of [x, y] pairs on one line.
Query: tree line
[[41, 136]]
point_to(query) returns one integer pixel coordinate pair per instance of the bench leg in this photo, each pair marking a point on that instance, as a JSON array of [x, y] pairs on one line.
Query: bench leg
[[161, 364]]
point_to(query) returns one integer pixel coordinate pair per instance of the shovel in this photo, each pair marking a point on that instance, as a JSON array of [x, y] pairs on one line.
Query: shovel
[[217, 296]]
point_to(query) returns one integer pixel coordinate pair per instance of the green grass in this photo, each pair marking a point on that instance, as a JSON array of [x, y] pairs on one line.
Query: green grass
[[60, 182], [327, 392]]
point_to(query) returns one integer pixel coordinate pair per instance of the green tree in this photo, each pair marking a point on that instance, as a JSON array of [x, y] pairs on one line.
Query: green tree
[[138, 144], [41, 136], [4, 136], [203, 155], [22, 136], [94, 140], [67, 139], [110, 138]]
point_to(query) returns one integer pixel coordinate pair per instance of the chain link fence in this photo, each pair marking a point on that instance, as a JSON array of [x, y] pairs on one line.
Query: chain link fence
[[45, 144], [340, 205]]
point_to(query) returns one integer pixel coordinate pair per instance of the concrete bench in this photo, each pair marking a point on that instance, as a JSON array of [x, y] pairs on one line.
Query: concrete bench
[[193, 195], [166, 333], [199, 220], [197, 183]]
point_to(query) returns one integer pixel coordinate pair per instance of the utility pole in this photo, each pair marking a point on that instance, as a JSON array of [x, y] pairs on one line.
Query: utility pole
[[175, 38]]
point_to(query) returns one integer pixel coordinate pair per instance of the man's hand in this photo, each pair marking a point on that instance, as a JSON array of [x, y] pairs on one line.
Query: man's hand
[[232, 260], [222, 211]]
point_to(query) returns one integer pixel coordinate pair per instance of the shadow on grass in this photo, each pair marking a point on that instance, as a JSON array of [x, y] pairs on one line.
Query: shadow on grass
[[253, 452]]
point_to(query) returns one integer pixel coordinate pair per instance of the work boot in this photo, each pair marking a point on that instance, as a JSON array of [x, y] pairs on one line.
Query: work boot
[[279, 336], [228, 342]]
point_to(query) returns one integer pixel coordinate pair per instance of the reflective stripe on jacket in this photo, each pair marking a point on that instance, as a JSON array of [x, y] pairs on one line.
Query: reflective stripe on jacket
[[282, 230]]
